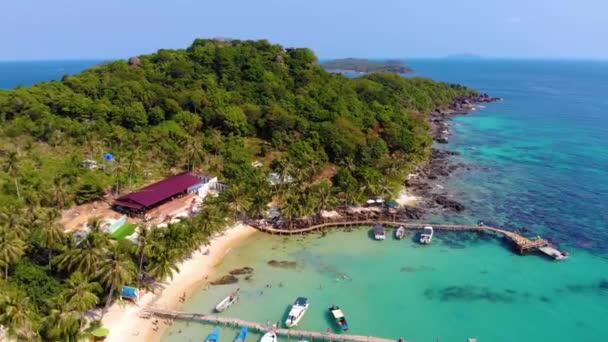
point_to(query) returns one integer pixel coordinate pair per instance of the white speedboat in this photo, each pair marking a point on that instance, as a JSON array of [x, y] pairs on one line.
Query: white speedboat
[[379, 232], [427, 235], [269, 337], [226, 302], [297, 312], [400, 233]]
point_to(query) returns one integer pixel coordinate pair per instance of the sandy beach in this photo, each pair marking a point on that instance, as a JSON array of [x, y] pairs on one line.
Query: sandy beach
[[405, 198], [123, 319]]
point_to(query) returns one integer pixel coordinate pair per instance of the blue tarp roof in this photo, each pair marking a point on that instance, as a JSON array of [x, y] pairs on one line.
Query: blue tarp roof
[[129, 292]]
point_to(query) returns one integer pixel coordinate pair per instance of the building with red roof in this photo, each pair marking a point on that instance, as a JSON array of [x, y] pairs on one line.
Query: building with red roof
[[153, 195]]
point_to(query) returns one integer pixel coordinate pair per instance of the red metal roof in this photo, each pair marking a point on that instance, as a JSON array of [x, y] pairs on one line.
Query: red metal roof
[[159, 191]]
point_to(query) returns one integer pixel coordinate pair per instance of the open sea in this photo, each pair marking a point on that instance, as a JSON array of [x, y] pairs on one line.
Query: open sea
[[538, 159]]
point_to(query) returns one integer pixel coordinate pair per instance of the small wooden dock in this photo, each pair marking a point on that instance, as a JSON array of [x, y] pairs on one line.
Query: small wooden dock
[[521, 243], [253, 326]]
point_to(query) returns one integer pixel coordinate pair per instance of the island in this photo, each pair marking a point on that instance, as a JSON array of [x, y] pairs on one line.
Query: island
[[365, 66], [104, 172]]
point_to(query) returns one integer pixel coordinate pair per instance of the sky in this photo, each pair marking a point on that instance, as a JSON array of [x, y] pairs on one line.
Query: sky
[[100, 29]]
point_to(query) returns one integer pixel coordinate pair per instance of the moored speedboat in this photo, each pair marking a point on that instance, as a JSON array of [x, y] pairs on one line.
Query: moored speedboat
[[400, 233], [214, 336], [242, 335], [297, 312], [269, 337], [379, 232], [338, 316], [226, 302], [427, 235]]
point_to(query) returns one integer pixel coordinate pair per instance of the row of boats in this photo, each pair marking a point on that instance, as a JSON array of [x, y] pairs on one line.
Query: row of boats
[[297, 312], [215, 336], [426, 236]]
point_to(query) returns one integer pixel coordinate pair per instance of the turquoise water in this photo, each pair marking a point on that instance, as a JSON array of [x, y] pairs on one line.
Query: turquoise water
[[541, 154], [463, 285], [540, 160]]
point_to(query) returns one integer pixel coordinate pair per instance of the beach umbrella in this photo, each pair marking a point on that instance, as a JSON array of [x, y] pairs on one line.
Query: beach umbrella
[[370, 201], [101, 332], [108, 156]]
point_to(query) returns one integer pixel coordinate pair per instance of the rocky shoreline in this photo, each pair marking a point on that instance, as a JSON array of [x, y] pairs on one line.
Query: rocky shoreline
[[440, 164]]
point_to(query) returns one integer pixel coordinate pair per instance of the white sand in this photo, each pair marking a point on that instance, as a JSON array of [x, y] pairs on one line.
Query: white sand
[[404, 198], [123, 319]]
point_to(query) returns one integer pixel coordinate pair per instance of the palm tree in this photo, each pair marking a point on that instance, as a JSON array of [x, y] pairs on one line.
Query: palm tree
[[117, 171], [162, 265], [11, 248], [210, 219], [12, 220], [349, 164], [93, 147], [133, 166], [59, 192], [143, 240], [290, 209], [87, 255], [238, 199], [117, 270], [62, 324], [79, 295], [32, 210], [323, 196], [51, 233], [15, 315], [259, 206], [194, 153], [384, 188], [12, 166]]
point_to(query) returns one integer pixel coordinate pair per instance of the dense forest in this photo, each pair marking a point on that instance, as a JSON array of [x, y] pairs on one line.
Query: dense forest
[[217, 106], [365, 65]]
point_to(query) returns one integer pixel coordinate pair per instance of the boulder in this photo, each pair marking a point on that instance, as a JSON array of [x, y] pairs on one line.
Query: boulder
[[134, 61], [227, 279]]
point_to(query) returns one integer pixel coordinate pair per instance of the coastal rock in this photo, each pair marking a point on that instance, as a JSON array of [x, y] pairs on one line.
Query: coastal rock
[[241, 271], [227, 279], [410, 213], [442, 140], [448, 203], [282, 263]]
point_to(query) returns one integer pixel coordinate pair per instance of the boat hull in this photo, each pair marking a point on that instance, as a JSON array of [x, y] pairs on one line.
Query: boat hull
[[338, 317], [214, 336], [269, 337]]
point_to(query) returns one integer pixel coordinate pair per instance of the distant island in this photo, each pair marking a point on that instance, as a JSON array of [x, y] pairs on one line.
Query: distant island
[[365, 66]]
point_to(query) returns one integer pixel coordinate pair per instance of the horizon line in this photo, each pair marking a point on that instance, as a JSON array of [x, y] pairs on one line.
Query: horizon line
[[447, 57]]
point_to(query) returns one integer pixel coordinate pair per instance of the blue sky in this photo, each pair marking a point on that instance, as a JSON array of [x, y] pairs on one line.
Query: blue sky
[[85, 29]]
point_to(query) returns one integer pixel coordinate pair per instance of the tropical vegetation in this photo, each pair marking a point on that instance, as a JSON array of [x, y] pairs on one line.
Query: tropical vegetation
[[236, 109]]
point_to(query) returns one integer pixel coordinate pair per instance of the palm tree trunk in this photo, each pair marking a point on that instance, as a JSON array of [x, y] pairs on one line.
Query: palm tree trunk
[[141, 262], [17, 187], [50, 257], [6, 272], [108, 301]]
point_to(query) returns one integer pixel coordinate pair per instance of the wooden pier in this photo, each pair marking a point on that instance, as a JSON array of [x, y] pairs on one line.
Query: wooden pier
[[521, 244], [253, 326]]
